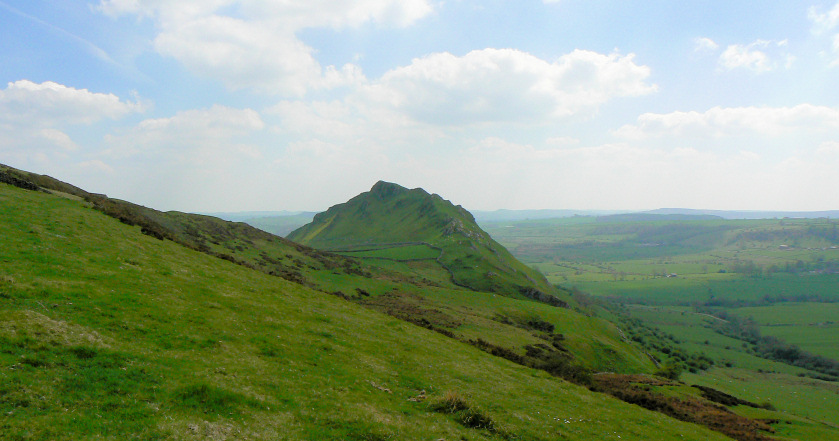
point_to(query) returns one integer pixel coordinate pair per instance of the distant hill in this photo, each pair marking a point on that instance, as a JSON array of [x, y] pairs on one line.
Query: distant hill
[[488, 217], [390, 213], [652, 217], [281, 225], [518, 215], [741, 214]]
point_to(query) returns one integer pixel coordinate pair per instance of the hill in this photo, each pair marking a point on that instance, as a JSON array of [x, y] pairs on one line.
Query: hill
[[73, 275], [417, 290], [390, 214], [109, 333]]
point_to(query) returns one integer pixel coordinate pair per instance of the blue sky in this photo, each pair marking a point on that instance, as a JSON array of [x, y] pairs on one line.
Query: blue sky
[[229, 105]]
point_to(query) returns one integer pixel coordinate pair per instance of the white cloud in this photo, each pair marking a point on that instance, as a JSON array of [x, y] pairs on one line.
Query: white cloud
[[58, 139], [508, 85], [35, 120], [824, 22], [50, 103], [243, 54], [721, 121], [755, 56], [561, 141], [190, 160], [704, 44], [496, 172], [96, 166], [830, 148], [254, 44], [193, 130]]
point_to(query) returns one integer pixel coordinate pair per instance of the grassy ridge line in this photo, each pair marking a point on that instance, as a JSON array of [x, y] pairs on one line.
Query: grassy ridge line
[[236, 242], [179, 345]]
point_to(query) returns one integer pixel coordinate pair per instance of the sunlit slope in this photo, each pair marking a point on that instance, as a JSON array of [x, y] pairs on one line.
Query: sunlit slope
[[111, 334], [391, 214], [233, 241], [595, 344]]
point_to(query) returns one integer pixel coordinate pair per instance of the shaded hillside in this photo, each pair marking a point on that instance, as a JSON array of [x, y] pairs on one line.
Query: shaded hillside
[[107, 333], [390, 214]]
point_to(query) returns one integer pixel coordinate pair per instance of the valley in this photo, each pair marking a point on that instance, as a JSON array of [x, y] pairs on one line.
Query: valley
[[407, 322]]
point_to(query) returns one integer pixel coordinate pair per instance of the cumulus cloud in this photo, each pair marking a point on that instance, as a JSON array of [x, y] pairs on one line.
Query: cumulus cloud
[[722, 121], [50, 103], [211, 128], [194, 158], [827, 23], [704, 44], [496, 172], [254, 43], [824, 21], [493, 85], [755, 56], [35, 119]]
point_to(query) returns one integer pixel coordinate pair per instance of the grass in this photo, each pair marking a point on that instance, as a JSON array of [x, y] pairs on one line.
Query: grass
[[108, 333], [404, 252], [812, 326]]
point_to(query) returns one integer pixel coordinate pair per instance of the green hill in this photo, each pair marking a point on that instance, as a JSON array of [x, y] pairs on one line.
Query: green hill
[[390, 214], [108, 333]]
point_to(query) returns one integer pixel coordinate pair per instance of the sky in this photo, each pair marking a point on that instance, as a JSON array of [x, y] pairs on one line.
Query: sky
[[245, 105]]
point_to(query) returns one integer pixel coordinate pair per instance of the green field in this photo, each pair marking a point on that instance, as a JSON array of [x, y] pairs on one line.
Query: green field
[[674, 275], [398, 252], [812, 326]]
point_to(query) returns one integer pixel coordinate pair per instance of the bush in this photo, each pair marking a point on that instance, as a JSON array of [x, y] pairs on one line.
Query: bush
[[671, 371], [454, 404]]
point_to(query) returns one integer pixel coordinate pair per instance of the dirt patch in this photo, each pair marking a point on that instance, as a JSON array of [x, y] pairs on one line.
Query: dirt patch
[[411, 308], [637, 389]]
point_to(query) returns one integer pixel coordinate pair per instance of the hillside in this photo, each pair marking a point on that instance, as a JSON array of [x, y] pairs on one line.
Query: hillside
[[233, 241], [417, 290], [390, 214], [109, 333]]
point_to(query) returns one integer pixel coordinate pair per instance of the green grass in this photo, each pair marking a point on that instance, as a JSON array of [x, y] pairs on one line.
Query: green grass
[[688, 290], [111, 334], [407, 252], [812, 326]]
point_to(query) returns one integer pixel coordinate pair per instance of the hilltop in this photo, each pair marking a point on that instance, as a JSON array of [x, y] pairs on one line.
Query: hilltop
[[391, 216]]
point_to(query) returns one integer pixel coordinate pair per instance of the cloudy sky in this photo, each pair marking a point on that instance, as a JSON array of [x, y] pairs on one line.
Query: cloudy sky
[[233, 105]]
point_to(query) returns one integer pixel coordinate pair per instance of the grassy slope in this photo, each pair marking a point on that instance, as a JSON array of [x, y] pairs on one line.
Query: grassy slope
[[335, 274], [390, 213], [107, 332]]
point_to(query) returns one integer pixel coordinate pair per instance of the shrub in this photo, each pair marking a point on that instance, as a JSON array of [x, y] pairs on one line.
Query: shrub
[[670, 371], [453, 404]]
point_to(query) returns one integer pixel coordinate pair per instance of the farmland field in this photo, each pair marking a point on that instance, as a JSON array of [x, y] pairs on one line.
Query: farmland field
[[739, 292]]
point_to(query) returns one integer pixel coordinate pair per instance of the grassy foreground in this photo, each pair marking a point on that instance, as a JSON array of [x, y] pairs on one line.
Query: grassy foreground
[[108, 333]]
